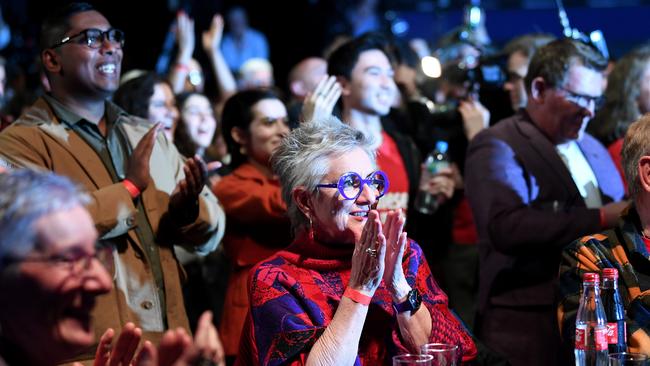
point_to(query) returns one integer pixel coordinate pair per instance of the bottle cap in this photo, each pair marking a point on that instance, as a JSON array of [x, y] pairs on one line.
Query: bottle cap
[[610, 273], [442, 146], [591, 277]]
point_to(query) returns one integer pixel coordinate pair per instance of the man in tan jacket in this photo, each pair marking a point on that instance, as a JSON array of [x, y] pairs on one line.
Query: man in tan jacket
[[145, 196]]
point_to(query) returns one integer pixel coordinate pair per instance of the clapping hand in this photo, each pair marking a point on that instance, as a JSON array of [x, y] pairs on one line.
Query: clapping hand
[[368, 257], [186, 193], [138, 165], [319, 103], [395, 247]]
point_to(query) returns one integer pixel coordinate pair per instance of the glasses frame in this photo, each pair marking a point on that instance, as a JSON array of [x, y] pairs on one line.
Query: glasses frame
[[340, 185], [76, 265], [580, 99], [105, 35]]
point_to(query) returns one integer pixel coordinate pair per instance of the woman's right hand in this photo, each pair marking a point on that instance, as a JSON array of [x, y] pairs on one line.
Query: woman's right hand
[[368, 257]]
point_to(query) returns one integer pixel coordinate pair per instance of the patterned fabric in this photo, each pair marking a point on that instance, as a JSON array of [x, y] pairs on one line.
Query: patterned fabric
[[295, 294], [622, 248]]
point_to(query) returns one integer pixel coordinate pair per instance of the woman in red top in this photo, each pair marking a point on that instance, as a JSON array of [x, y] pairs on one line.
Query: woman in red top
[[350, 289], [254, 123]]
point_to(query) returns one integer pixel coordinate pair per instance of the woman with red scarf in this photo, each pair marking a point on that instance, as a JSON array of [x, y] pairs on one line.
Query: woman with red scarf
[[349, 289]]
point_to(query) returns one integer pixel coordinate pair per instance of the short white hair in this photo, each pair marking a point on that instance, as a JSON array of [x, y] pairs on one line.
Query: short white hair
[[25, 197], [303, 157]]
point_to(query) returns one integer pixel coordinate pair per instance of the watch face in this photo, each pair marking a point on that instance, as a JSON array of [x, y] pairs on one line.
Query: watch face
[[414, 299]]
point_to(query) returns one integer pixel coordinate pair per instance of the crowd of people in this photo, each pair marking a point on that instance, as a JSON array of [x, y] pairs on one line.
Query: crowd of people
[[144, 222]]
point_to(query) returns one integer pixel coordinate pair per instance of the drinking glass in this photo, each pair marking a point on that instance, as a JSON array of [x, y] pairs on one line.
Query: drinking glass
[[412, 360], [628, 359], [443, 354]]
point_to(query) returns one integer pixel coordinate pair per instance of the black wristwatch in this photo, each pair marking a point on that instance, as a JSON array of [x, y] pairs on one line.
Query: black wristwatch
[[412, 302]]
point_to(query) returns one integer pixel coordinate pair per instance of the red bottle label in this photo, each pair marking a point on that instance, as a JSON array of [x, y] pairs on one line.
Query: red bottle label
[[612, 333], [581, 337], [600, 336]]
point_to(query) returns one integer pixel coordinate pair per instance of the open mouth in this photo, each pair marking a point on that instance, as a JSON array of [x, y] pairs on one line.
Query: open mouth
[[79, 314], [363, 214], [108, 68]]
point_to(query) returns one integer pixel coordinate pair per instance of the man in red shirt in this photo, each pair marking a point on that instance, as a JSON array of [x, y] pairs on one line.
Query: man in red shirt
[[364, 70]]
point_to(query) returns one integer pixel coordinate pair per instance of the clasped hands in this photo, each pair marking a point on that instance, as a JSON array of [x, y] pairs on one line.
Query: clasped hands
[[378, 256]]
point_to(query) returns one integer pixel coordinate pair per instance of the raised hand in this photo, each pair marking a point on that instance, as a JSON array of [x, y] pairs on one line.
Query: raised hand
[[368, 257], [138, 165], [185, 37], [395, 246], [212, 37], [320, 102]]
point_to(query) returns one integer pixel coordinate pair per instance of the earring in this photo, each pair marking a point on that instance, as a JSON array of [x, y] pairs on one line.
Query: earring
[[242, 150], [311, 229]]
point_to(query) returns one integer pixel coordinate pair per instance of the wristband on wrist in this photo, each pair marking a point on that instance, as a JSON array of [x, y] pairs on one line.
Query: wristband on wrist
[[182, 67], [357, 296], [133, 190]]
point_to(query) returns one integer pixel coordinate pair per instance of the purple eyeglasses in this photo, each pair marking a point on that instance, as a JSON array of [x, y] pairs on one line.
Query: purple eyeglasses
[[350, 184]]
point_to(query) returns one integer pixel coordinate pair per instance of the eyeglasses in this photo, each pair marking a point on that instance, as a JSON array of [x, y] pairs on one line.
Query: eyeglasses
[[350, 185], [583, 100], [75, 261], [94, 38]]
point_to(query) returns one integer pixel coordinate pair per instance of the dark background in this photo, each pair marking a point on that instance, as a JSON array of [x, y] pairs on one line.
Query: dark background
[[299, 28]]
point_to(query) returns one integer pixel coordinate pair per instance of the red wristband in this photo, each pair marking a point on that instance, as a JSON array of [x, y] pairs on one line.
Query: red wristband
[[602, 218], [357, 296], [182, 67], [133, 190]]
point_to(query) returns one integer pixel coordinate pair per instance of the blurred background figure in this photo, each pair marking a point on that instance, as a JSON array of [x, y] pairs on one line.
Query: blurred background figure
[[303, 78], [254, 123], [241, 42], [255, 73], [149, 96], [196, 126], [519, 52], [627, 98]]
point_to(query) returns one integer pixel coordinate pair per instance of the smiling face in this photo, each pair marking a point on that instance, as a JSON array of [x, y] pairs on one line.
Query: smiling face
[[266, 131], [50, 306], [335, 219], [162, 108], [371, 88], [566, 116], [199, 121], [84, 71]]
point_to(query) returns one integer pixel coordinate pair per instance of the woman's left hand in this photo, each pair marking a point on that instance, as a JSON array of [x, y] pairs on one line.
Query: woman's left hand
[[395, 246]]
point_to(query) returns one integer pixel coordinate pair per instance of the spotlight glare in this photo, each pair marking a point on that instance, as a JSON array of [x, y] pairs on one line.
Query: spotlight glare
[[431, 67]]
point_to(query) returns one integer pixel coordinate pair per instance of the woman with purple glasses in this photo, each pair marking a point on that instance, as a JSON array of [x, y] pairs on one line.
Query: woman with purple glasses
[[349, 289]]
